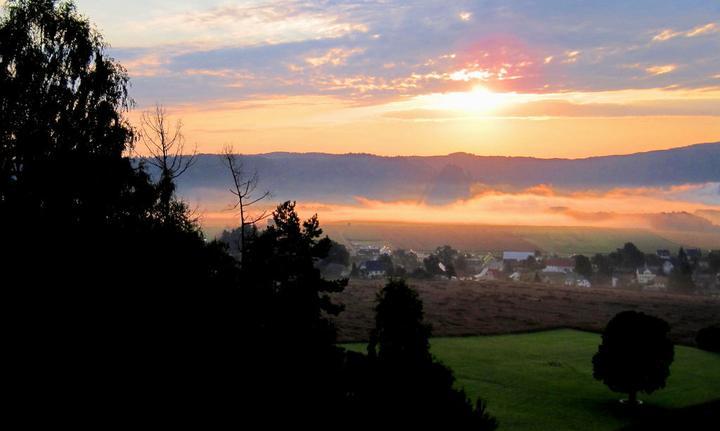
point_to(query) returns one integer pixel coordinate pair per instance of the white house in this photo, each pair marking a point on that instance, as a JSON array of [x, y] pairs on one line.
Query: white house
[[559, 266], [645, 276], [667, 267]]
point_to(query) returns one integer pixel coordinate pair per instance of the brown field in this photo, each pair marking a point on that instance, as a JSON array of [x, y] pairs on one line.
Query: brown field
[[459, 308]]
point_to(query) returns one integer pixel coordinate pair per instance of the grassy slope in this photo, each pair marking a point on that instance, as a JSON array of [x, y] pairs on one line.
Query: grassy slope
[[543, 381]]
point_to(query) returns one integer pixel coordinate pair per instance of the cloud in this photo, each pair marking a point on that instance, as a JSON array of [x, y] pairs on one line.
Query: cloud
[[703, 29], [465, 16], [251, 23], [571, 57], [334, 56], [661, 70], [666, 35], [700, 30]]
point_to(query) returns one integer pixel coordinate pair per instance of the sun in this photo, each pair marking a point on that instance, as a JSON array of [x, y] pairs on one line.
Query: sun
[[478, 101]]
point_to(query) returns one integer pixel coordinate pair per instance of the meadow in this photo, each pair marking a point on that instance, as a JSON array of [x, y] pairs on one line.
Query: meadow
[[543, 380]]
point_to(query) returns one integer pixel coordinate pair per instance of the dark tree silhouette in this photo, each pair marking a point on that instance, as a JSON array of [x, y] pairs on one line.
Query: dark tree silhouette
[[583, 266], [635, 354], [681, 275], [288, 321], [244, 187], [165, 145], [402, 383], [399, 335], [101, 283]]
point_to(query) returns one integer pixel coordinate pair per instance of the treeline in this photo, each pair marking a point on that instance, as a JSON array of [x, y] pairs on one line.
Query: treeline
[[121, 312]]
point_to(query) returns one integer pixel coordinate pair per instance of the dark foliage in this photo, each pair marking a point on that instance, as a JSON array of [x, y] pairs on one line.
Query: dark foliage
[[629, 257], [583, 266], [400, 383], [709, 339], [120, 312], [681, 276], [635, 354]]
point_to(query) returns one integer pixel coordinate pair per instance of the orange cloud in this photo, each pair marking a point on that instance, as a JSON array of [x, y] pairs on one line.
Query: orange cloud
[[661, 70]]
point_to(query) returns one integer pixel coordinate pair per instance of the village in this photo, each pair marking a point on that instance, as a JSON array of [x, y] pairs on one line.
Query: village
[[688, 270]]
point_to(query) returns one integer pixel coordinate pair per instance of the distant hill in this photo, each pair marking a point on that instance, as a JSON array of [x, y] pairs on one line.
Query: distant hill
[[437, 179]]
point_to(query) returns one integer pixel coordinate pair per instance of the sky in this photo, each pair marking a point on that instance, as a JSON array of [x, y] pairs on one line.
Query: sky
[[548, 78]]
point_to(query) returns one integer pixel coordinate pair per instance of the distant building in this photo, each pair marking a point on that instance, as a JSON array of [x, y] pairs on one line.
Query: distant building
[[693, 253], [489, 274], [645, 276], [517, 256], [373, 269], [576, 280], [667, 267], [664, 254], [558, 265]]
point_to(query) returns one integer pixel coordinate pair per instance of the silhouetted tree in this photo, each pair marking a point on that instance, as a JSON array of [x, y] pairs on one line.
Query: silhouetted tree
[[403, 384], [103, 284], [166, 152], [635, 354], [714, 261], [244, 187], [583, 266], [681, 275], [630, 257], [604, 266], [288, 325]]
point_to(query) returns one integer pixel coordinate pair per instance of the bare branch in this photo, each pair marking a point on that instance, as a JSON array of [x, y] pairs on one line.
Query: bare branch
[[243, 188]]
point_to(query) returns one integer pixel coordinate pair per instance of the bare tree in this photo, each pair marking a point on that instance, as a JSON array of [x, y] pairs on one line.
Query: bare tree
[[165, 144], [244, 189]]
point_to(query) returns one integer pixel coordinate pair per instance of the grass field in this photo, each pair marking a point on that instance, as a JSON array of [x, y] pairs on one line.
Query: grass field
[[543, 380]]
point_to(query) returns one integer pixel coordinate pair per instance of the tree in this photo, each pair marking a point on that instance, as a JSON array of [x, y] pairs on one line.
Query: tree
[[604, 266], [631, 257], [103, 285], [714, 261], [583, 266], [403, 384], [244, 186], [165, 145], [635, 354], [681, 275], [400, 335], [289, 300]]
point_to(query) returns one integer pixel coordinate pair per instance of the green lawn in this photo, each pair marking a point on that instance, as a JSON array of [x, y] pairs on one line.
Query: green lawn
[[543, 381]]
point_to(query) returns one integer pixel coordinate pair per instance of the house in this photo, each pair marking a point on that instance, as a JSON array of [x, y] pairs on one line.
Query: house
[[489, 274], [664, 254], [694, 254], [667, 267], [386, 250], [576, 280], [517, 256], [370, 252], [558, 265], [373, 269], [645, 276]]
